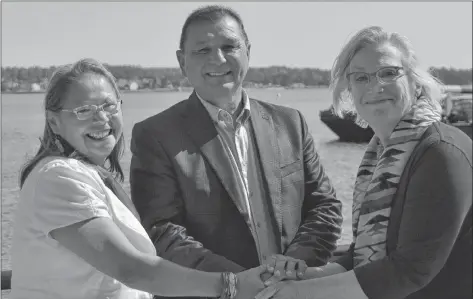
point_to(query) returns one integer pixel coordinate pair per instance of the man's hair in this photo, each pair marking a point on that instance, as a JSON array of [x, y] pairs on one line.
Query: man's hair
[[212, 13]]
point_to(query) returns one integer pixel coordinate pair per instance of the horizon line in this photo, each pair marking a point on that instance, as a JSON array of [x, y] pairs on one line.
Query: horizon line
[[177, 67]]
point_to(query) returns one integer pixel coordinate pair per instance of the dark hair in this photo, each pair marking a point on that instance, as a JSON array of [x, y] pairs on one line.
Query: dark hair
[[211, 13], [58, 87]]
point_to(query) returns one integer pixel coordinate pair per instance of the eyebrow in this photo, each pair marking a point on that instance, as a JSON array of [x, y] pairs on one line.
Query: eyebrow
[[359, 68], [200, 42], [107, 98], [226, 40]]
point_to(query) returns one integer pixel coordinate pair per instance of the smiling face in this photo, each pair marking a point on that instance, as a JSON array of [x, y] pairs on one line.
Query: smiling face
[[380, 104], [94, 137], [215, 58]]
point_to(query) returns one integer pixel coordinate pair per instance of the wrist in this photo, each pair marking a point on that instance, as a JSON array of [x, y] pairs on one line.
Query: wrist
[[312, 272], [229, 285]]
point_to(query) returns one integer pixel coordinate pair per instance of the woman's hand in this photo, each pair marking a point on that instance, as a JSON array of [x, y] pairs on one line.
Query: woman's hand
[[341, 286], [323, 271], [285, 290], [249, 282], [281, 267]]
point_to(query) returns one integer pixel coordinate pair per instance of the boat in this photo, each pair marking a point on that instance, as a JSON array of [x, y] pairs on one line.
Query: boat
[[345, 128], [458, 108], [457, 112]]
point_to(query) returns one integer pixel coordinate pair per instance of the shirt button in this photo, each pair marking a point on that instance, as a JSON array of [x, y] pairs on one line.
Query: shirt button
[[258, 224]]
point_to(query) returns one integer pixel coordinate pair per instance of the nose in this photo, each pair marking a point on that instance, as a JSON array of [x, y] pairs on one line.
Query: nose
[[100, 114], [217, 56], [375, 85]]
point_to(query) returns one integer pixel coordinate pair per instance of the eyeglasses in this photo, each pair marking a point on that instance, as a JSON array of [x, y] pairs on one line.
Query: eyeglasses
[[88, 111], [384, 75]]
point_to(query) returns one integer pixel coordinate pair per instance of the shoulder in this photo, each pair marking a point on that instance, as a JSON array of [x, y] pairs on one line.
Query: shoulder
[[443, 147], [163, 119], [64, 171], [277, 112], [63, 164], [445, 139], [56, 163]]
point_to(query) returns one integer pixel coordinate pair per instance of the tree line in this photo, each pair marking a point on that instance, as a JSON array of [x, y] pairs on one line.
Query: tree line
[[18, 78]]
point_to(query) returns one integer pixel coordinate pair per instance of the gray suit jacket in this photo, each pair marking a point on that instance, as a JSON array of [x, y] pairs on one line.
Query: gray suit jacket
[[186, 197]]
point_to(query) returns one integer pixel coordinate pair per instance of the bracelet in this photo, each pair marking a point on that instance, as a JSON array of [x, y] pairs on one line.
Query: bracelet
[[229, 289]]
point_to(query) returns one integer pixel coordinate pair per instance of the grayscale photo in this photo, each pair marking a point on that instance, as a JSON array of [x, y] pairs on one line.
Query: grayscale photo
[[236, 150]]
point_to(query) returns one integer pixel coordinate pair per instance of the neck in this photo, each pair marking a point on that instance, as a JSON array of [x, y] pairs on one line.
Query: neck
[[94, 160], [383, 131], [99, 162], [230, 103]]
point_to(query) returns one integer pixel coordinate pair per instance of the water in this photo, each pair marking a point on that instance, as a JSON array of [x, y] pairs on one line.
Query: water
[[23, 122]]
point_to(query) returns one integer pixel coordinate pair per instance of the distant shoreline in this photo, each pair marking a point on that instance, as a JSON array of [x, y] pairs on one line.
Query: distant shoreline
[[122, 91], [173, 89]]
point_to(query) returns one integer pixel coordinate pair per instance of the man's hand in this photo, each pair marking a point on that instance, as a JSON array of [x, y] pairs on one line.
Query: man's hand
[[280, 267]]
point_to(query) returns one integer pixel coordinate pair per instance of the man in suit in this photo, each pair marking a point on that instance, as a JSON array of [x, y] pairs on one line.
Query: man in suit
[[223, 182]]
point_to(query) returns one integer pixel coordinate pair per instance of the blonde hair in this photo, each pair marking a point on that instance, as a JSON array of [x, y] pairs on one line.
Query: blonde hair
[[426, 85]]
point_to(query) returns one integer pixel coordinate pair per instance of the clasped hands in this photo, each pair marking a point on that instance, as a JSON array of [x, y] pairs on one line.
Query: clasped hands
[[280, 267], [268, 280]]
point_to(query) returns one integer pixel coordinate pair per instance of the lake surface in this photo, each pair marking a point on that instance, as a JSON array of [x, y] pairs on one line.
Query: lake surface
[[23, 123]]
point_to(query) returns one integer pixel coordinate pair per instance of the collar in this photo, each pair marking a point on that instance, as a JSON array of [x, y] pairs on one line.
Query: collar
[[220, 115]]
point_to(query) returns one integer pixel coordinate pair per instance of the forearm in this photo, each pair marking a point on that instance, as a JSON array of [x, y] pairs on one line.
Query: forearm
[[327, 270], [346, 259], [164, 278], [103, 245], [317, 236], [342, 286], [319, 231], [173, 244], [165, 228]]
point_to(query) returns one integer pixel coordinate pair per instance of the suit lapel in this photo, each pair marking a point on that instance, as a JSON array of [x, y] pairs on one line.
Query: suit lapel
[[201, 130], [268, 149]]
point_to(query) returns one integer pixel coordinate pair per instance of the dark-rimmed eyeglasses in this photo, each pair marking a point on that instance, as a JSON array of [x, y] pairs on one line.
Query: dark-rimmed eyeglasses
[[384, 75], [87, 111]]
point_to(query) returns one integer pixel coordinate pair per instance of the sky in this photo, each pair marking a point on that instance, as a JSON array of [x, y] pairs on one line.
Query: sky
[[293, 34]]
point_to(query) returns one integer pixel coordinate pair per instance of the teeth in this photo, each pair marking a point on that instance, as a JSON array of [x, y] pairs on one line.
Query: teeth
[[217, 74], [100, 135]]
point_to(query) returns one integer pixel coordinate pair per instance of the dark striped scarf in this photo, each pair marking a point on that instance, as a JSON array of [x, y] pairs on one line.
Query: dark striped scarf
[[378, 179]]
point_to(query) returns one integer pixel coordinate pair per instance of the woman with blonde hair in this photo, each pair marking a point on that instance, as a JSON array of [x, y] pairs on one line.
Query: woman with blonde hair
[[413, 192]]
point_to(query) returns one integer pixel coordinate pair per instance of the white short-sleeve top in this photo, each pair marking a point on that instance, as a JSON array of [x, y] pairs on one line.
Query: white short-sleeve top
[[59, 192]]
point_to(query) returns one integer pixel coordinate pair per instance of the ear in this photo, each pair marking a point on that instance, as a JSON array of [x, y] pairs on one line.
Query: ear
[[182, 61], [53, 121]]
